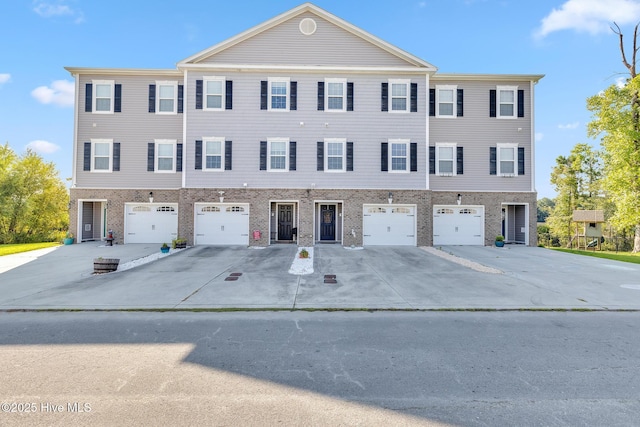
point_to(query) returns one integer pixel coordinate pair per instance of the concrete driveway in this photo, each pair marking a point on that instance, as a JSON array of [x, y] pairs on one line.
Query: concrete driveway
[[374, 277]]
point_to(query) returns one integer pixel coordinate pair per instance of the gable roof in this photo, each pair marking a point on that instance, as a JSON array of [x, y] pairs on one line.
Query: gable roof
[[411, 60]]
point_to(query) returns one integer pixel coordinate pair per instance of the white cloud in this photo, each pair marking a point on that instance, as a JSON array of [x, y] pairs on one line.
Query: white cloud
[[539, 136], [573, 125], [591, 16], [57, 8], [4, 78], [43, 147], [60, 93]]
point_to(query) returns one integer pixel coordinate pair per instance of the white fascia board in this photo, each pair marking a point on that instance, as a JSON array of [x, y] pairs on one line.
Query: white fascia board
[[488, 77], [306, 69], [124, 71]]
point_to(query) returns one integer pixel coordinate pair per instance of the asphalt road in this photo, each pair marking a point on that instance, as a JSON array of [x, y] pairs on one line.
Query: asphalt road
[[321, 368]]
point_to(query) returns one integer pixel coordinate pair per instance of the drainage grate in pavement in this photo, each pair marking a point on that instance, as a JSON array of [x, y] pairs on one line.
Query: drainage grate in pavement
[[231, 279], [235, 274], [330, 279]]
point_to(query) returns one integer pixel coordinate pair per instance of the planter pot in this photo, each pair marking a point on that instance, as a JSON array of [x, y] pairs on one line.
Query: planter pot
[[165, 250], [181, 245], [68, 240], [499, 243], [105, 265]]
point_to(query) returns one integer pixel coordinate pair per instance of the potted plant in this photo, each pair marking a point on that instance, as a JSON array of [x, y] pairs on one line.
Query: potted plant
[[164, 248], [499, 240], [105, 265], [304, 253], [179, 243], [68, 239]]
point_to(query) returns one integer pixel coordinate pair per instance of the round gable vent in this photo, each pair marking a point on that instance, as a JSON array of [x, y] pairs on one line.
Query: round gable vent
[[308, 26]]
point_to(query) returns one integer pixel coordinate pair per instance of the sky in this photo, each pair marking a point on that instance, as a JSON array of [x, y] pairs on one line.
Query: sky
[[569, 41]]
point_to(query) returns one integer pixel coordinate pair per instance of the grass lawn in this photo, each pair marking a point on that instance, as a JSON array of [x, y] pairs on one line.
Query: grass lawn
[[618, 256], [25, 247]]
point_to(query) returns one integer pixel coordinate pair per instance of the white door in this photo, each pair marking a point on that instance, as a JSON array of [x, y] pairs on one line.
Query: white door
[[458, 225], [393, 225], [150, 222], [221, 224]]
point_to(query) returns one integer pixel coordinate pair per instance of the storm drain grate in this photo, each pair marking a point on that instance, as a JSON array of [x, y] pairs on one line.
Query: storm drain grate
[[235, 274], [232, 277], [330, 279]]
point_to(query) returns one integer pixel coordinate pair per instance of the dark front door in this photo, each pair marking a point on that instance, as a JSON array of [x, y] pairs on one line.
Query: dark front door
[[327, 222], [285, 222]]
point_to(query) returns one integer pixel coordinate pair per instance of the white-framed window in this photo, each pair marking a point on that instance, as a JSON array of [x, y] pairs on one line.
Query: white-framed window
[[278, 150], [103, 95], [446, 159], [165, 151], [167, 97], [213, 154], [279, 93], [446, 101], [101, 155], [506, 101], [214, 93], [336, 94], [506, 159], [335, 155], [399, 91], [399, 155]]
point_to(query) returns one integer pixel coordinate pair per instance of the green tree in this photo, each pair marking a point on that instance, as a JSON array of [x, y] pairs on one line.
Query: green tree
[[545, 207], [33, 198], [616, 121]]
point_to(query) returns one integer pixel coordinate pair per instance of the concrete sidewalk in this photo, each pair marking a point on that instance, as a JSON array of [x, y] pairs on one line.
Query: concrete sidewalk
[[208, 277]]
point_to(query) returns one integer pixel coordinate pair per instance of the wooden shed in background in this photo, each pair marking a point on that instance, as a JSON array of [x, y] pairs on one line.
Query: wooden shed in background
[[588, 228]]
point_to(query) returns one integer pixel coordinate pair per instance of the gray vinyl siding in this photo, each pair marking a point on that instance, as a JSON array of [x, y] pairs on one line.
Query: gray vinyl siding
[[476, 132], [285, 44], [246, 125], [133, 128]]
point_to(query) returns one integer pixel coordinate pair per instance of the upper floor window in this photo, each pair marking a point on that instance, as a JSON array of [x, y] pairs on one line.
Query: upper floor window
[[278, 155], [103, 96], [336, 94], [165, 160], [445, 159], [507, 101], [399, 95], [214, 154], [101, 156], [399, 155], [506, 161], [335, 155], [279, 94], [214, 93], [446, 101], [167, 97]]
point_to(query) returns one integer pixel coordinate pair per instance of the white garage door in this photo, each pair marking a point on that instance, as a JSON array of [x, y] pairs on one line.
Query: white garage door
[[458, 225], [150, 222], [221, 224], [389, 225]]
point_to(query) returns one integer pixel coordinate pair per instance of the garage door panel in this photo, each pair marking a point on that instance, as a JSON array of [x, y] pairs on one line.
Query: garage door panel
[[151, 223], [219, 224], [457, 225], [389, 225]]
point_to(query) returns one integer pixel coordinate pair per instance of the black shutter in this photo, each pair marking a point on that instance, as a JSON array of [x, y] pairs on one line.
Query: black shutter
[[198, 94], [178, 157], [151, 153], [459, 161], [152, 98], [228, 157], [117, 99], [320, 156], [293, 96], [264, 88], [492, 103], [460, 106], [520, 103], [492, 161], [414, 97], [349, 156], [350, 96], [384, 97], [263, 155], [87, 156], [228, 91], [413, 156], [320, 96], [520, 160], [180, 99], [88, 97], [198, 154], [432, 103], [432, 160], [116, 157], [384, 157], [292, 155]]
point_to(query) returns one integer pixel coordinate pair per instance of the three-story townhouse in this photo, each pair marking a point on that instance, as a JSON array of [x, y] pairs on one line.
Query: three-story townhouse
[[304, 129]]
